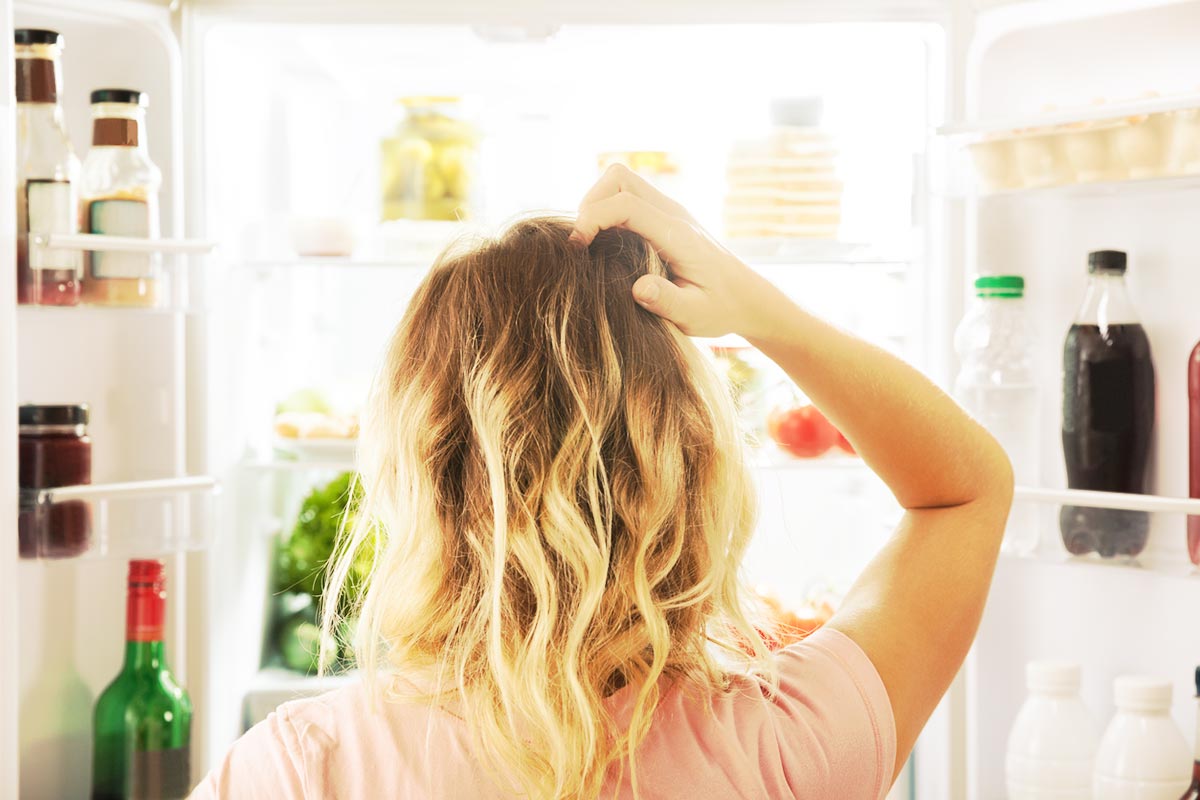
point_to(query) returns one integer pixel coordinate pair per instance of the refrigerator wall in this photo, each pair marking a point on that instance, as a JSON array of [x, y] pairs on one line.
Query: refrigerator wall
[[1112, 619]]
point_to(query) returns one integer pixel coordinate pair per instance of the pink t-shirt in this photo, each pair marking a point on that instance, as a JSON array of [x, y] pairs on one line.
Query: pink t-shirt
[[829, 733]]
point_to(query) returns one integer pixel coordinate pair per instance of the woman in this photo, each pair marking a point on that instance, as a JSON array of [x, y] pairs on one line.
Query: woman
[[558, 481]]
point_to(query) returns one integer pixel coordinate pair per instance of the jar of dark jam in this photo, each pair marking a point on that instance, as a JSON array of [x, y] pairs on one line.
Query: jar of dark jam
[[54, 451]]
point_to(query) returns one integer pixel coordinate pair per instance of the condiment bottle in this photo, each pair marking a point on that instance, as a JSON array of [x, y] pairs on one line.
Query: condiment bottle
[[120, 198], [1193, 522], [47, 174], [54, 450]]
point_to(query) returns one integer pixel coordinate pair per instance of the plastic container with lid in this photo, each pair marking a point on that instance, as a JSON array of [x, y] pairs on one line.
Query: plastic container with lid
[[47, 174], [1053, 740], [996, 384], [54, 450], [1142, 755], [429, 168], [120, 198]]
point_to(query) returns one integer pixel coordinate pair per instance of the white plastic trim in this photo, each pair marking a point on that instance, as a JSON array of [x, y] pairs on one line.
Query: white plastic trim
[[127, 244], [1116, 500], [107, 491]]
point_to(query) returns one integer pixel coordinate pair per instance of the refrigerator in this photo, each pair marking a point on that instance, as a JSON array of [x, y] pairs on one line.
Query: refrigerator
[[272, 124]]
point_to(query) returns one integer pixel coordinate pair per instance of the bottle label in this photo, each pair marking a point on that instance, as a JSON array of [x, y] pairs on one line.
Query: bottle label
[[114, 132], [50, 208], [120, 218], [160, 774], [35, 81]]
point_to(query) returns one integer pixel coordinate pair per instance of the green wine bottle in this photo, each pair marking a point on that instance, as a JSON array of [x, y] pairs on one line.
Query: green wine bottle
[[143, 719]]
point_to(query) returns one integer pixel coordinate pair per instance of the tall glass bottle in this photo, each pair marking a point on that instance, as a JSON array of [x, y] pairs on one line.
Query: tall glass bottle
[[142, 724], [1108, 412], [47, 174], [120, 198]]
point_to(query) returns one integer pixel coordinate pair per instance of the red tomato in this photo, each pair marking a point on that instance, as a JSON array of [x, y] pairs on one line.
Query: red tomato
[[804, 432], [844, 444]]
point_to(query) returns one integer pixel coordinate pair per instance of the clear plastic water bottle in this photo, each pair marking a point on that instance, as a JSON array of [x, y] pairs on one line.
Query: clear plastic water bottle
[[996, 386]]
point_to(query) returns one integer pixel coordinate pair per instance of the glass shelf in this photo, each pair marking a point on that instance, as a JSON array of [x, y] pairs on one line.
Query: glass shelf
[[137, 518], [771, 459], [302, 465], [815, 252]]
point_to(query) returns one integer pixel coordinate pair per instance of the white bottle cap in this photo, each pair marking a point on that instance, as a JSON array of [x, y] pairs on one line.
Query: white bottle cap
[[1056, 677], [1142, 693]]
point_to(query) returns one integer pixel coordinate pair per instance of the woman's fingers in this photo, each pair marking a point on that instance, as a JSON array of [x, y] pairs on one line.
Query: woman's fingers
[[679, 304], [675, 239], [620, 178]]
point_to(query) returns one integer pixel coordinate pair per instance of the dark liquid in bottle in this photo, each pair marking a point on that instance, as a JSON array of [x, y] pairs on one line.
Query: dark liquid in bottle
[[1108, 419]]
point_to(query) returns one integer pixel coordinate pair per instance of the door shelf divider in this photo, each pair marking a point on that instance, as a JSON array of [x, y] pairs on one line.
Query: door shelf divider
[[107, 520]]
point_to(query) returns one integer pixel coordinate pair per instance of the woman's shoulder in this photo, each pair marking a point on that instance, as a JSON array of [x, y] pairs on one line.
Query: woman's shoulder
[[308, 746]]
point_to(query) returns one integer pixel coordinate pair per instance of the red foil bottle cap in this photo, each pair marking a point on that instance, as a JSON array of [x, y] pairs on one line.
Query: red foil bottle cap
[[144, 610]]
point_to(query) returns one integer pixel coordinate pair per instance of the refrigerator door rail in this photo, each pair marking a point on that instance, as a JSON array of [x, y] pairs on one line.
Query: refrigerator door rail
[[129, 489], [1114, 500], [124, 244]]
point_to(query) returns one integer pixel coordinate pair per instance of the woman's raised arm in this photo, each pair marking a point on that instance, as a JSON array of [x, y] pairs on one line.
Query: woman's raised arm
[[916, 607]]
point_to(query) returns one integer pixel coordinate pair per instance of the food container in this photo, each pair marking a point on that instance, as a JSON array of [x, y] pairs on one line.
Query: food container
[[1042, 160], [1090, 153], [54, 450], [1152, 137], [1184, 153], [1141, 144], [996, 164], [429, 166]]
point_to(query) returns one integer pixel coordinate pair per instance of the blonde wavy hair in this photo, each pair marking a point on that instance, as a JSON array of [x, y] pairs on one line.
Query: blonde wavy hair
[[557, 481]]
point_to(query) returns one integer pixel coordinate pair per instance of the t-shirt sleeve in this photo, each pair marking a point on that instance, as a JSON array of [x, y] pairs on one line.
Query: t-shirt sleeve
[[836, 732], [268, 761]]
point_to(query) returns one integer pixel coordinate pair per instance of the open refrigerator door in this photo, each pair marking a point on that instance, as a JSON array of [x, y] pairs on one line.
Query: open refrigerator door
[[106, 472], [1080, 135]]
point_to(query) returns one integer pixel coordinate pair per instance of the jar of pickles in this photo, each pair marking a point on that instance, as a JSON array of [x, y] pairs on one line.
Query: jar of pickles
[[429, 166]]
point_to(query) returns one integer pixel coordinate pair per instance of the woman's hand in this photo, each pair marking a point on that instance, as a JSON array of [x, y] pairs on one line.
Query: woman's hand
[[710, 291]]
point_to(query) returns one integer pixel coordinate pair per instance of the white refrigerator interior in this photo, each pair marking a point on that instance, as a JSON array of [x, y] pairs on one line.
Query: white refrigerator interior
[[267, 120]]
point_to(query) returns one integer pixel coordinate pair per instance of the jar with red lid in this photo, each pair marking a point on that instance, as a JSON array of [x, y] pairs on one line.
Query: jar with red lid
[[54, 450]]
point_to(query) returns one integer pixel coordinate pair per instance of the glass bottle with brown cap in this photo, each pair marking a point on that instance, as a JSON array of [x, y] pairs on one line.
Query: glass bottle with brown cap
[[120, 198], [47, 174]]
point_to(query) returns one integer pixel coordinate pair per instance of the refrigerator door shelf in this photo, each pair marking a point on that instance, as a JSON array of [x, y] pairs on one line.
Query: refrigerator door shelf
[[116, 520], [1153, 525]]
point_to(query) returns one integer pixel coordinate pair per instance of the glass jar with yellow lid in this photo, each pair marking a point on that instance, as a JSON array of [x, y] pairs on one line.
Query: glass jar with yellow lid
[[429, 166]]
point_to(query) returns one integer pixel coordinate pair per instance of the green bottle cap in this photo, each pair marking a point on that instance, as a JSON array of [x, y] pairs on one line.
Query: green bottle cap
[[1000, 286]]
